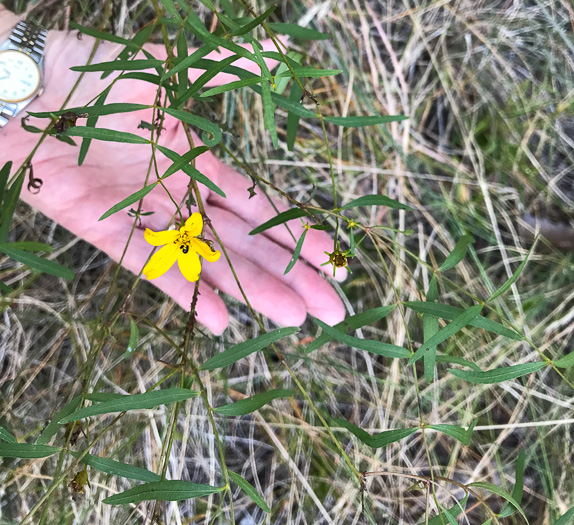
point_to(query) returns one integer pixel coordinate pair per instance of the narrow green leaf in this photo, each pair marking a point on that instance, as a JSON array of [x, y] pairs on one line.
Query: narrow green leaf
[[458, 361], [498, 375], [110, 466], [32, 246], [91, 123], [500, 492], [6, 436], [292, 118], [198, 122], [251, 404], [565, 362], [134, 337], [97, 110], [512, 280], [455, 510], [4, 174], [121, 65], [361, 121], [134, 197], [9, 203], [253, 24], [5, 289], [382, 439], [182, 160], [237, 352], [518, 490], [566, 519], [430, 328], [109, 135], [269, 113], [309, 72], [138, 40], [36, 263], [445, 311], [217, 68], [374, 347], [184, 165], [53, 426], [297, 31], [457, 254], [457, 324], [458, 433], [296, 252], [446, 513], [237, 84], [376, 200], [26, 451], [101, 35], [99, 397], [250, 490], [182, 78], [352, 323], [162, 491], [289, 215], [188, 61], [134, 402], [288, 104]]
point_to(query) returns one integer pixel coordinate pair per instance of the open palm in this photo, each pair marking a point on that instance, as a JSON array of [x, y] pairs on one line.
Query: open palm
[[76, 197]]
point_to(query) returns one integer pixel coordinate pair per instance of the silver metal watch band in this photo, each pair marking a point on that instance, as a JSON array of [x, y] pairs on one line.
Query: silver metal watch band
[[29, 39]]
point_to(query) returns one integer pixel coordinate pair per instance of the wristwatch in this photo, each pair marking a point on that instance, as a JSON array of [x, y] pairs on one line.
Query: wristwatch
[[21, 69]]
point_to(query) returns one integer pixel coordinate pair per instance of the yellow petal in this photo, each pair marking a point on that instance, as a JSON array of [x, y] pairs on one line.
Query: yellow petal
[[160, 238], [189, 265], [194, 224], [161, 261], [204, 250]]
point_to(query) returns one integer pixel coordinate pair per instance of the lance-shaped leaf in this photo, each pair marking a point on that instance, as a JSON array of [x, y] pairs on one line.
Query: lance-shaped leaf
[[458, 433], [251, 404], [9, 200], [97, 110], [352, 323], [283, 217], [250, 490], [121, 65], [254, 23], [6, 436], [498, 375], [108, 135], [382, 439], [500, 492], [430, 328], [124, 470], [458, 361], [134, 337], [26, 451], [565, 362], [512, 280], [457, 254], [134, 197], [454, 511], [236, 84], [567, 518], [188, 169], [54, 425], [360, 121], [35, 262], [518, 490], [134, 402], [296, 31], [237, 352], [296, 253], [374, 347], [198, 122], [457, 324], [162, 491], [445, 311], [376, 200]]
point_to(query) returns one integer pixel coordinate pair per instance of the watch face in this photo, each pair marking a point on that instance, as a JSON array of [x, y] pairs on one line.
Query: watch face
[[19, 76]]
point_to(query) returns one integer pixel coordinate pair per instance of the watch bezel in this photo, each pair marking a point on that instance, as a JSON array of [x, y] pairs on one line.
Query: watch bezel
[[38, 86]]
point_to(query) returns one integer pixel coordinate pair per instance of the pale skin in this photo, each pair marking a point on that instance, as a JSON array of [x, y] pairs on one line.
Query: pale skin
[[76, 197]]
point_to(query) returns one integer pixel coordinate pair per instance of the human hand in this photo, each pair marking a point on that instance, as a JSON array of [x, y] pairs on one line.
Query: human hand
[[76, 197]]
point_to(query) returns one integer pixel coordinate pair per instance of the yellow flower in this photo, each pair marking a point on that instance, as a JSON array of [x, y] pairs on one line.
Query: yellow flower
[[182, 246]]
